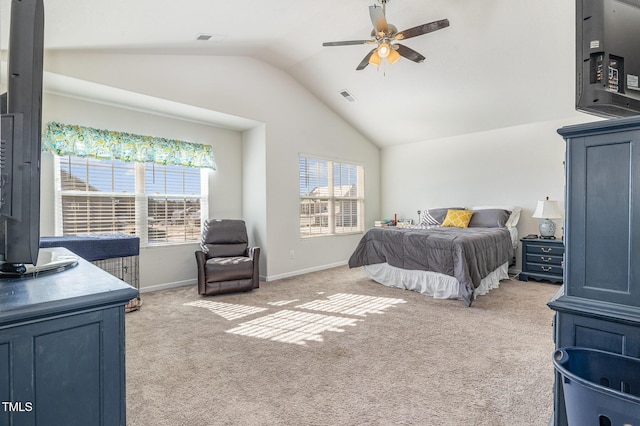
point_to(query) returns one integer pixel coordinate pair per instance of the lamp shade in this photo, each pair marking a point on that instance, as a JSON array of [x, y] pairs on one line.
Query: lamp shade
[[547, 209], [375, 59], [393, 57]]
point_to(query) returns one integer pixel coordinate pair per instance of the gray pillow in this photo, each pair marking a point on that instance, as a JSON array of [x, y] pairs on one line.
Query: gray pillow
[[489, 218], [436, 216]]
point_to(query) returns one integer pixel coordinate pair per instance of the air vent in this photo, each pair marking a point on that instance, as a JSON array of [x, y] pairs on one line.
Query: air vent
[[210, 37], [347, 96]]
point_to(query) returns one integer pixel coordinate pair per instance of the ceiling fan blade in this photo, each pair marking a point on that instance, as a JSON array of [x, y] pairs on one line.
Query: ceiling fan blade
[[422, 29], [365, 61], [408, 53], [378, 19], [346, 43]]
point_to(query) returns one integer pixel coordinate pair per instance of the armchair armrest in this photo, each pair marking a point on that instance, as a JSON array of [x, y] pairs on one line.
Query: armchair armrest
[[254, 254], [201, 260]]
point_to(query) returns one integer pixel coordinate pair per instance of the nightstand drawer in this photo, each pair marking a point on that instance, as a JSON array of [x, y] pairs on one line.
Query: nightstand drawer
[[544, 249], [537, 268], [544, 259]]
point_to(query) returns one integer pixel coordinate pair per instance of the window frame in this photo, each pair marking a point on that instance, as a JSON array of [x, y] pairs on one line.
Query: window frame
[[330, 199], [141, 201]]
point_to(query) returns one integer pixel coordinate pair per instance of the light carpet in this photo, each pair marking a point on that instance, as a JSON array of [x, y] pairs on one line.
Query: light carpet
[[335, 348]]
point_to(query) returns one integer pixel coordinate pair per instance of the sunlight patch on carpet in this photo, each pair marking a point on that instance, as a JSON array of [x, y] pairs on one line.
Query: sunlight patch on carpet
[[292, 327], [352, 304], [299, 327], [227, 311]]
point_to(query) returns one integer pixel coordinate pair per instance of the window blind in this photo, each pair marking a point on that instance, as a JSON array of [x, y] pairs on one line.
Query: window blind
[[173, 203], [97, 196]]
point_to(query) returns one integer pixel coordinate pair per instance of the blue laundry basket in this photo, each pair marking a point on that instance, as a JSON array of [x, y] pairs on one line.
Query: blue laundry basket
[[600, 388]]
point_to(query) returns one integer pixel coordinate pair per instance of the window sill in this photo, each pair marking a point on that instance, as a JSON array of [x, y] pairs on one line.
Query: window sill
[[344, 234]]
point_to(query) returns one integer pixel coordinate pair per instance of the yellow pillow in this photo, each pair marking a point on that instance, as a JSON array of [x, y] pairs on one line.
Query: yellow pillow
[[458, 218]]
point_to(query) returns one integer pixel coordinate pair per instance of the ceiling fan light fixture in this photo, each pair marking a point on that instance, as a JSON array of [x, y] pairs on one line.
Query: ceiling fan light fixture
[[375, 59], [383, 50], [394, 56]]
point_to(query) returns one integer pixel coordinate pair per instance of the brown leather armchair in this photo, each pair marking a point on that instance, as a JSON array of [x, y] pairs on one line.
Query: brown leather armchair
[[226, 263]]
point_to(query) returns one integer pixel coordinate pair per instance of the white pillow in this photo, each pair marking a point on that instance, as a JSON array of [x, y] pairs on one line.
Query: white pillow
[[513, 218]]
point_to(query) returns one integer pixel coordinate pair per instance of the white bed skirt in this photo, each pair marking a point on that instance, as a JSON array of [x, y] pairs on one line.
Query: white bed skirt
[[434, 284]]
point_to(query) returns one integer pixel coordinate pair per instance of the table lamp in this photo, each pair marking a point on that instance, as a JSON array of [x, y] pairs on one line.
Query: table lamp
[[547, 210]]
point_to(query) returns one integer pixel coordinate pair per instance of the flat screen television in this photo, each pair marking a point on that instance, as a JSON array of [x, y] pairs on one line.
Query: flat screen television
[[608, 57], [21, 130]]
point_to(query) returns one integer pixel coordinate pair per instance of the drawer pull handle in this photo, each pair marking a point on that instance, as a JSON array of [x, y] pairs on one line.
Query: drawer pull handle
[[546, 250], [546, 268], [545, 259]]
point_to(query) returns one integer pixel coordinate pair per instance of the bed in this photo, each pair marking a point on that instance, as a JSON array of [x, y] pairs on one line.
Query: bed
[[439, 259]]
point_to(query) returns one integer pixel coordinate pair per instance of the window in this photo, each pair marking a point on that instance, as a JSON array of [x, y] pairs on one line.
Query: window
[[173, 203], [331, 197], [160, 204]]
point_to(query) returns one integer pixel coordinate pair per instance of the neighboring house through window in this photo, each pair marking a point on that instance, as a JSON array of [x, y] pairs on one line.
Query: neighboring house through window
[[331, 197]]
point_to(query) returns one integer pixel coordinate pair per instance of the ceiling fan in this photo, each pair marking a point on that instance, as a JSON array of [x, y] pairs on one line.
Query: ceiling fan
[[384, 34]]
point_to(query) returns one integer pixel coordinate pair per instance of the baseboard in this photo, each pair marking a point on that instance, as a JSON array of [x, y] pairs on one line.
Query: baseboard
[[303, 271], [165, 286]]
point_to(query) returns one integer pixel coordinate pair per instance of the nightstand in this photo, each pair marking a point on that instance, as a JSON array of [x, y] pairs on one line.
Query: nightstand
[[542, 259]]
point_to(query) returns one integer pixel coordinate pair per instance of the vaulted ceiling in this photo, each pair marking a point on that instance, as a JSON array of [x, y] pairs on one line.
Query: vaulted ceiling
[[500, 63]]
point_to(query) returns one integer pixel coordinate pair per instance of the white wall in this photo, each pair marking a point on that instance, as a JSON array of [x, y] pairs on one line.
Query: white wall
[[159, 266], [254, 190], [510, 166], [295, 121]]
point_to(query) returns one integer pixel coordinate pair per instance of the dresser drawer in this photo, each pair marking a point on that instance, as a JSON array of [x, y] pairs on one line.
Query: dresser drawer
[[544, 249]]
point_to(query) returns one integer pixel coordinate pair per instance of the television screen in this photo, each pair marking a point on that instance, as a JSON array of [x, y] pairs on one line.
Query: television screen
[[20, 133], [608, 57]]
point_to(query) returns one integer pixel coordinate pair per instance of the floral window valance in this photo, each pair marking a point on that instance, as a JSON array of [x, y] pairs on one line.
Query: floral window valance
[[80, 141]]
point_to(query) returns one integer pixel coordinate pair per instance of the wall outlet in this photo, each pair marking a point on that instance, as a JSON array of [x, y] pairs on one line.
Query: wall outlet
[[292, 254]]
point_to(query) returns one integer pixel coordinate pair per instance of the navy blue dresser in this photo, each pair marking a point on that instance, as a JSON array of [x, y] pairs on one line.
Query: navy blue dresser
[[62, 347]]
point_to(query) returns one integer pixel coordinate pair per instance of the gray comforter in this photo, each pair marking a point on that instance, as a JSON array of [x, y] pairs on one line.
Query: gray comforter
[[468, 254]]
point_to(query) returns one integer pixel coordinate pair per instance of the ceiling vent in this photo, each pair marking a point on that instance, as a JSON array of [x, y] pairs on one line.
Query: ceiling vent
[[347, 96], [210, 37]]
